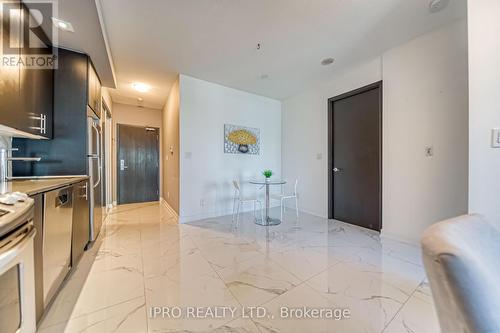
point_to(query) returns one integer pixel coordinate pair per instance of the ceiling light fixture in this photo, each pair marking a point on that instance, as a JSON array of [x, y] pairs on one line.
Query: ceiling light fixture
[[141, 87], [63, 25], [327, 61], [140, 99], [438, 5]]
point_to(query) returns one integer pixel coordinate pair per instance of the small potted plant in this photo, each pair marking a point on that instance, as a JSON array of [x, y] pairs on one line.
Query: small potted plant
[[267, 174]]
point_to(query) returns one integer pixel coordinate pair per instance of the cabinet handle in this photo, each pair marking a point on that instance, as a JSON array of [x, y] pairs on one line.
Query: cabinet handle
[[43, 123], [84, 188]]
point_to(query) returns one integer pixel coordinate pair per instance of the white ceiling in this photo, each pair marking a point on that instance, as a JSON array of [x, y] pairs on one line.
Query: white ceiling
[[215, 40]]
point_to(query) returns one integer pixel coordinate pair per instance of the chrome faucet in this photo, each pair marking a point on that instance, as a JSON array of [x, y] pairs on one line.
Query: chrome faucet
[[5, 159]]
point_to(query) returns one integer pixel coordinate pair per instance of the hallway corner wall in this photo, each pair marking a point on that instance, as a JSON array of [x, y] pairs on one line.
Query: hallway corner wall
[[170, 142]]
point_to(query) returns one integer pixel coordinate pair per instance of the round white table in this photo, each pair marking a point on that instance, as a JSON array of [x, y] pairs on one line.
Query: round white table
[[267, 183]]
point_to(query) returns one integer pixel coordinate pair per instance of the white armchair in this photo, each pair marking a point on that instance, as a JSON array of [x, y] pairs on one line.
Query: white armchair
[[461, 257]]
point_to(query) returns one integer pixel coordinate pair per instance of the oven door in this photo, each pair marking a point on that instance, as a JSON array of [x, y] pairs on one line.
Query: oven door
[[17, 282]]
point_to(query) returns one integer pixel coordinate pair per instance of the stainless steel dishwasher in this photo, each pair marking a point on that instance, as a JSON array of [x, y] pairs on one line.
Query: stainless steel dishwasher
[[57, 232]]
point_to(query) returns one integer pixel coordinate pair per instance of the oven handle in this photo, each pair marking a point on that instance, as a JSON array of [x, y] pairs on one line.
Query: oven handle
[[18, 242]]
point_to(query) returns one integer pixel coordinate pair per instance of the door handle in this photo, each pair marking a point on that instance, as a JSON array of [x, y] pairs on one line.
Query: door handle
[[98, 172], [98, 140], [122, 165], [336, 170]]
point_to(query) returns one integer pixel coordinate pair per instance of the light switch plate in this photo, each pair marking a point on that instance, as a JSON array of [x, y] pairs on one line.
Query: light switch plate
[[495, 138]]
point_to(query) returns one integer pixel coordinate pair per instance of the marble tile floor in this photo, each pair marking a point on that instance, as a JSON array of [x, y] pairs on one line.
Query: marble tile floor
[[262, 277]]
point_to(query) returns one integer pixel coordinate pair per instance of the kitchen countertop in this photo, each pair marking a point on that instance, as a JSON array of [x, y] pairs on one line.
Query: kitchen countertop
[[32, 186]]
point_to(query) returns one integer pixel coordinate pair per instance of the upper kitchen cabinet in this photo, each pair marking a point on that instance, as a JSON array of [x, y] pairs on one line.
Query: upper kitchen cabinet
[[75, 91], [10, 87], [26, 91], [37, 95], [94, 90]]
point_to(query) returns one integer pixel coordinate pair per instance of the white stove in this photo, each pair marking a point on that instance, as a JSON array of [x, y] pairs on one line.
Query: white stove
[[17, 279]]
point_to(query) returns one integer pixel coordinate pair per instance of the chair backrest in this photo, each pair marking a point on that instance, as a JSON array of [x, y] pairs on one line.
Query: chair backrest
[[237, 190], [461, 259]]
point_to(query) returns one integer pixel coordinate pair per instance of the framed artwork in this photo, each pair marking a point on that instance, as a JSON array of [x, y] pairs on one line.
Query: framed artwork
[[241, 140]]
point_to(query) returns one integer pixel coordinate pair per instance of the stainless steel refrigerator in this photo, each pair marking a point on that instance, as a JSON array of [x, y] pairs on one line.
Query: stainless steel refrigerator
[[94, 168]]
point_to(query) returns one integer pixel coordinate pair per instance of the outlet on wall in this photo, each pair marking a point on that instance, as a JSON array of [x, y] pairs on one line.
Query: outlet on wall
[[429, 151], [495, 138]]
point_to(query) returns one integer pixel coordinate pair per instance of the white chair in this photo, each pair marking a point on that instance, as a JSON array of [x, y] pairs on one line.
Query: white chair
[[239, 200], [461, 259], [282, 197]]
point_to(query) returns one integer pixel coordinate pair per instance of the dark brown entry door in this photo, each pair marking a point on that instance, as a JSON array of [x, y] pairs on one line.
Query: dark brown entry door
[[138, 164], [355, 167]]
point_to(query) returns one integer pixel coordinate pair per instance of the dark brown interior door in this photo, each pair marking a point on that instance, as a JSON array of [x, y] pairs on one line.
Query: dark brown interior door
[[138, 164], [355, 161]]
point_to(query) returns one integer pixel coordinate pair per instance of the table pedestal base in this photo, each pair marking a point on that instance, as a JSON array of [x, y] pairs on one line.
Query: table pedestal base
[[268, 221]]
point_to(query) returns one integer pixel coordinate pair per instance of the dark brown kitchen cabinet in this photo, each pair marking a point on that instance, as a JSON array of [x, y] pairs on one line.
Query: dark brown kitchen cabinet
[[66, 152], [81, 226], [37, 90], [94, 90], [26, 94], [10, 87]]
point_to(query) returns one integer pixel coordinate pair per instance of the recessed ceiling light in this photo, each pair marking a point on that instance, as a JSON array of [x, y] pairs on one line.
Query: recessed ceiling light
[[327, 61], [140, 99], [438, 5], [63, 25], [141, 87]]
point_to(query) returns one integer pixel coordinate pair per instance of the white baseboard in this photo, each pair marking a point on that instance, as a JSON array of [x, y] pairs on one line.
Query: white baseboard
[[323, 216], [168, 207], [213, 214], [399, 238]]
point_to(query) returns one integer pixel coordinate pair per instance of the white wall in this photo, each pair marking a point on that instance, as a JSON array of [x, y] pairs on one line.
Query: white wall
[[425, 103], [170, 140], [305, 127], [206, 172], [484, 109]]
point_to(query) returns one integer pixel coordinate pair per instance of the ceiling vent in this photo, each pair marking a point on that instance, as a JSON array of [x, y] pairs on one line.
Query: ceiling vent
[[438, 5], [327, 61]]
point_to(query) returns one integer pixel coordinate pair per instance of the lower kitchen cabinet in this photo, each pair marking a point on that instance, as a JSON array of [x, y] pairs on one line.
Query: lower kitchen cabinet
[[61, 218], [57, 237], [81, 226], [38, 246]]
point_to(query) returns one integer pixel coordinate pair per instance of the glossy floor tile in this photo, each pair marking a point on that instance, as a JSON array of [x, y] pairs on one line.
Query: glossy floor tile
[[146, 273]]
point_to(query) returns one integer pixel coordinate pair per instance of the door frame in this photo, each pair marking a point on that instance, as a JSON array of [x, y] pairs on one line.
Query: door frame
[[331, 153], [107, 119], [117, 170]]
